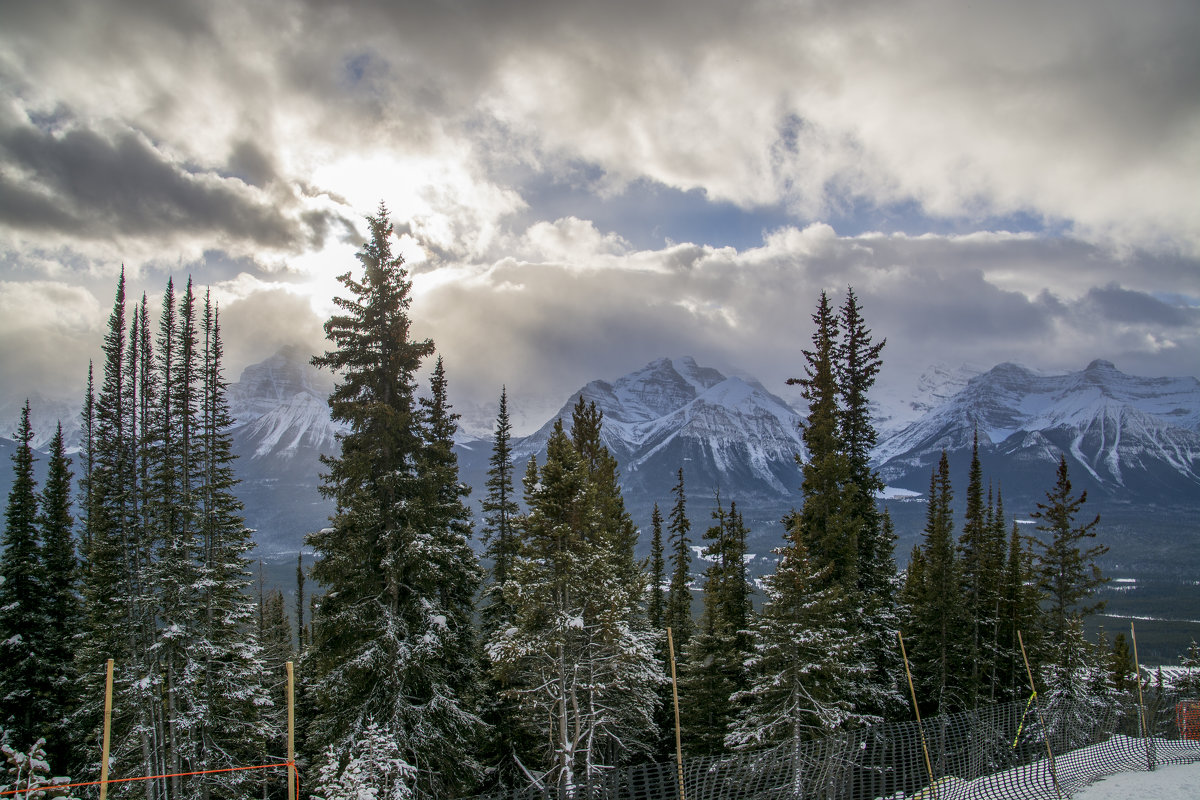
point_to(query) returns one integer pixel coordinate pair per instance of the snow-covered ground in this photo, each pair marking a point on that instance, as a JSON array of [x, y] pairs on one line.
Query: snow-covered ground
[[1112, 770], [1172, 782]]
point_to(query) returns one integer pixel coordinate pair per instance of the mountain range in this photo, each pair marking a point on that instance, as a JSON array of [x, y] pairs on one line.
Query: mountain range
[[1132, 442]]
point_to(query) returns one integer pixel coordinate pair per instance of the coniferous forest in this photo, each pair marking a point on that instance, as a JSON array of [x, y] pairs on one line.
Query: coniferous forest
[[442, 655]]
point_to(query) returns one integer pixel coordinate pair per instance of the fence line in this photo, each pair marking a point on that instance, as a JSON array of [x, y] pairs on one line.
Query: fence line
[[996, 752]]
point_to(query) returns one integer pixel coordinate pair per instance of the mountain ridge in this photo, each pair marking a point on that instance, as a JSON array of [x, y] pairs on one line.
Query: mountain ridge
[[1128, 439]]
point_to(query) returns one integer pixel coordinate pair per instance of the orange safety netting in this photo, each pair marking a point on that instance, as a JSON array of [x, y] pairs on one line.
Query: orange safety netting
[[54, 787]]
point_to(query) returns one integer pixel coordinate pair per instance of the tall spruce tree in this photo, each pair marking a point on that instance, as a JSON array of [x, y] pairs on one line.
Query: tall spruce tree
[[936, 617], [1068, 575], [656, 602], [233, 723], [500, 509], [804, 655], [383, 638], [578, 655], [23, 620], [828, 523], [113, 629], [1020, 613], [678, 612], [509, 742], [60, 568], [715, 665], [857, 363], [980, 568]]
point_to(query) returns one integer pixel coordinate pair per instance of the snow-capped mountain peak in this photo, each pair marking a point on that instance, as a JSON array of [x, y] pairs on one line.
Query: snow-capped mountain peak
[[1128, 434]]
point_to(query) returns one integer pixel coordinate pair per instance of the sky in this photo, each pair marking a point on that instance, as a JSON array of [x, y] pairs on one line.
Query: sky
[[580, 188]]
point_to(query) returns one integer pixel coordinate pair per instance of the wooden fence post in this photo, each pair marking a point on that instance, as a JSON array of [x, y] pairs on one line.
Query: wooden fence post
[[108, 682], [292, 774], [675, 695]]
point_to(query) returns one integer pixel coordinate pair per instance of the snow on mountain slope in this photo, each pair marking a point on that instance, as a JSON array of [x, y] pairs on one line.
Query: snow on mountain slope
[[669, 399], [262, 387], [45, 415], [298, 422], [1123, 431]]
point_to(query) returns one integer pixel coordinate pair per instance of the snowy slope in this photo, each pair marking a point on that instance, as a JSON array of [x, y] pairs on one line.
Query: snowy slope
[[1125, 434], [728, 433]]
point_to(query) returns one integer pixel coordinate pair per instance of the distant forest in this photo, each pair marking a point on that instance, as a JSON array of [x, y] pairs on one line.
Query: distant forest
[[423, 670]]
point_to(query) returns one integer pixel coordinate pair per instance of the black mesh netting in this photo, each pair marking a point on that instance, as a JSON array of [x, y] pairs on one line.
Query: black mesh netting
[[996, 752]]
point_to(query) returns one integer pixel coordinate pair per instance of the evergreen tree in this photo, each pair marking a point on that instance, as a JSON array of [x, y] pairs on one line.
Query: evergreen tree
[[383, 638], [656, 603], [678, 612], [1188, 683], [23, 588], [500, 510], [112, 627], [656, 613], [231, 695], [803, 657], [1122, 667], [1020, 612], [937, 619], [25, 772], [509, 742], [87, 424], [275, 641], [578, 655], [981, 567], [370, 765], [827, 520], [715, 666], [1068, 575], [301, 631], [60, 566], [856, 364]]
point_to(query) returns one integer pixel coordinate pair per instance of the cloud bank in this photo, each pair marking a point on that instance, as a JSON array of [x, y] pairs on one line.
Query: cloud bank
[[582, 187]]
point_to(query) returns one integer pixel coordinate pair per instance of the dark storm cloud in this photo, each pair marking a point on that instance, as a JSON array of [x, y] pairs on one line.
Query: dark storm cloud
[[1124, 305], [94, 186], [935, 300], [249, 162]]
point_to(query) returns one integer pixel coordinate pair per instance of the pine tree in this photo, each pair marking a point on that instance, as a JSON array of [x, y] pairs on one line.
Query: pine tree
[[60, 567], [981, 567], [656, 612], [231, 694], [804, 655], [112, 627], [370, 764], [275, 641], [1068, 575], [500, 510], [828, 522], [382, 639], [715, 666], [301, 631], [856, 364], [25, 772], [23, 620], [449, 548], [87, 424], [656, 603], [1121, 665], [578, 655], [510, 741], [1188, 683], [678, 612], [937, 619]]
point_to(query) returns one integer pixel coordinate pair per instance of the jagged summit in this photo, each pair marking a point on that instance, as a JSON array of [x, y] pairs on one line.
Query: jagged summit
[[1124, 434]]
